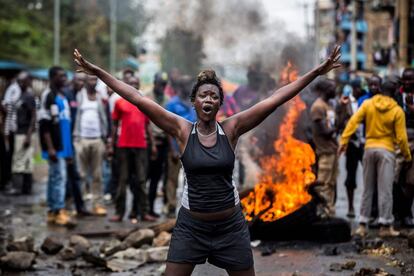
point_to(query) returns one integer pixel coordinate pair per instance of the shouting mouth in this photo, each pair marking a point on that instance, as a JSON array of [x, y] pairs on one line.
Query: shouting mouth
[[207, 109]]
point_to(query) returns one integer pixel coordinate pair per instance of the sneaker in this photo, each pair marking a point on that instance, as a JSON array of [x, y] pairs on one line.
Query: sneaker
[[148, 218], [115, 218], [63, 219], [83, 213], [388, 231], [351, 214], [408, 222], [99, 211], [51, 216], [152, 213], [361, 231]]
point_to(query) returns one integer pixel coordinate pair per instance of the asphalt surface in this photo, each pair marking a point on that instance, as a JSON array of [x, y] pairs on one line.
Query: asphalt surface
[[26, 215]]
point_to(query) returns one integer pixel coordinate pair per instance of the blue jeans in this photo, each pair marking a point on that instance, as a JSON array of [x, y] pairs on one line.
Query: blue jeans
[[106, 172], [56, 185]]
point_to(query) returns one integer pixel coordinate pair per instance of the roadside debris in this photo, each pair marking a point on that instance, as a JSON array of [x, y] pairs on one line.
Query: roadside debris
[[51, 245], [384, 250], [372, 272], [17, 260], [338, 267]]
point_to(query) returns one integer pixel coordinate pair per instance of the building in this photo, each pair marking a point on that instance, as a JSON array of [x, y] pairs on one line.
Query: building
[[376, 35], [324, 28]]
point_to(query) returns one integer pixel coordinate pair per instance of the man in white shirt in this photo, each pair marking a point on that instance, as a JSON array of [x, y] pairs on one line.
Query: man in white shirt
[[90, 132]]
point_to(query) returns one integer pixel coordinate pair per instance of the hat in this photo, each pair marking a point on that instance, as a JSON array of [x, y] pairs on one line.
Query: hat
[[161, 77]]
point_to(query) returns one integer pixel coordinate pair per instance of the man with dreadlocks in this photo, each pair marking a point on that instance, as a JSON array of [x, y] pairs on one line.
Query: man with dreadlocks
[[210, 224]]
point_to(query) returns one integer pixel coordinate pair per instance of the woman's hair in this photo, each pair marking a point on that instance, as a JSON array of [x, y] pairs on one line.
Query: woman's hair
[[207, 77]]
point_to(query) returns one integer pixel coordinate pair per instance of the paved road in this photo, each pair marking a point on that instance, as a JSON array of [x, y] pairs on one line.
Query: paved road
[[305, 258]]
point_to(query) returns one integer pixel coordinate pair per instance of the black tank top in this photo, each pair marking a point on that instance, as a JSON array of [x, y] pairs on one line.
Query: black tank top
[[208, 174]]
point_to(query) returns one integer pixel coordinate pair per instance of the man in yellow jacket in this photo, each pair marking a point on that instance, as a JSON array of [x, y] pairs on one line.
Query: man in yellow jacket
[[385, 127]]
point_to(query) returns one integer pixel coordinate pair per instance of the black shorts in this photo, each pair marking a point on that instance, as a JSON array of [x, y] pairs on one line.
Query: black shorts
[[224, 243]]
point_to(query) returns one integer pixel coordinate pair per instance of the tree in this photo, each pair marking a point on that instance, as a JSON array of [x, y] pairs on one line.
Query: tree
[[26, 29], [25, 33]]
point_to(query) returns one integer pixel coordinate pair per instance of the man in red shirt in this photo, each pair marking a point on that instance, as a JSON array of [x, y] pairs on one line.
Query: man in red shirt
[[133, 159]]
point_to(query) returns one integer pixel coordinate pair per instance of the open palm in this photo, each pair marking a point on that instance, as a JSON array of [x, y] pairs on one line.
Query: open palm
[[332, 61], [84, 65]]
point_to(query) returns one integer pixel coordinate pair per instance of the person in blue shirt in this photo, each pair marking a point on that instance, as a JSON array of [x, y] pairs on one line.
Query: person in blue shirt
[[181, 106], [56, 142]]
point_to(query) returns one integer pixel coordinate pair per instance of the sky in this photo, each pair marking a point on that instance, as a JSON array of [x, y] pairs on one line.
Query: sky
[[292, 13]]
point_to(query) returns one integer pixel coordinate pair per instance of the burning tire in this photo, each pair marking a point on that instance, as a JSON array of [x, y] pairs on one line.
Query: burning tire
[[331, 230], [289, 227], [303, 224]]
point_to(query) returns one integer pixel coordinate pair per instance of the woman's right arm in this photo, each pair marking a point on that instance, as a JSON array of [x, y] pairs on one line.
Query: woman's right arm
[[167, 121]]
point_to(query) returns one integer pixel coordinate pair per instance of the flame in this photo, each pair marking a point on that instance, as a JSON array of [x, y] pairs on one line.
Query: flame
[[282, 187]]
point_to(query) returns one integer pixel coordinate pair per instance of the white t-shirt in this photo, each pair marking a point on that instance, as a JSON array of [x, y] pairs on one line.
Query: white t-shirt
[[112, 100], [90, 126]]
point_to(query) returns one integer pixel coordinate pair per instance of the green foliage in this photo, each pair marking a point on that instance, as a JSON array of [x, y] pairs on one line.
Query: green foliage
[[26, 30], [182, 49], [24, 34]]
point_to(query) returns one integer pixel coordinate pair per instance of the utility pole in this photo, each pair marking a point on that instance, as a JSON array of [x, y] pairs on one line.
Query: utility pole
[[403, 35], [353, 36], [112, 54], [317, 32], [307, 25], [56, 33]]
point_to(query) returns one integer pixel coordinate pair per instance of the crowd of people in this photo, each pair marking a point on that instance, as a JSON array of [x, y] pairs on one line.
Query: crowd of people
[[371, 121], [97, 144]]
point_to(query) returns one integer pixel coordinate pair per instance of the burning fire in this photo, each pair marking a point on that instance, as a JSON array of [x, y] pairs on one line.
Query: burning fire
[[282, 188]]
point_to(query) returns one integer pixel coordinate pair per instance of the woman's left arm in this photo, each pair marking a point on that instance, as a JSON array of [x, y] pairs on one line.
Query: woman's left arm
[[244, 121]]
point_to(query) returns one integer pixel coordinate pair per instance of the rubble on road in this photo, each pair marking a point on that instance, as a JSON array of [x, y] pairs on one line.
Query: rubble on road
[[138, 247], [135, 239], [138, 238], [108, 246], [121, 265], [163, 239], [338, 267], [157, 254], [51, 245], [372, 272], [94, 258], [25, 244], [383, 250], [133, 258], [17, 260], [80, 243], [127, 259]]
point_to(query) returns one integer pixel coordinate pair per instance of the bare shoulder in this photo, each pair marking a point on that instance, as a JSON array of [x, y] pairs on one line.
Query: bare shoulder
[[229, 127], [184, 132]]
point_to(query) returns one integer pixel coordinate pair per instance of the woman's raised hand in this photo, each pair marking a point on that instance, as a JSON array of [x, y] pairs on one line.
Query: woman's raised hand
[[331, 62], [84, 65]]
